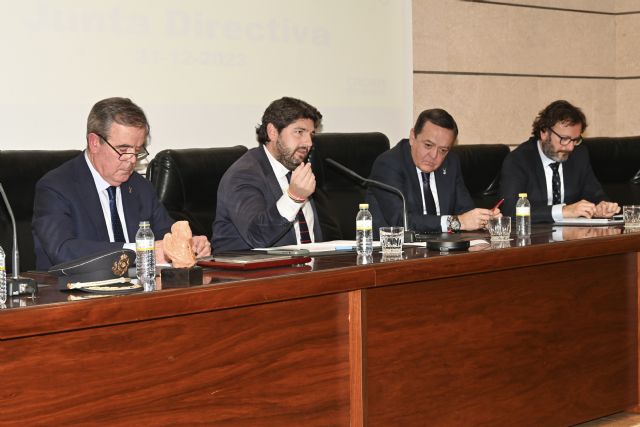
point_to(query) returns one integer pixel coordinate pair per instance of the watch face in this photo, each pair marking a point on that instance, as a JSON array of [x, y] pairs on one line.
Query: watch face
[[455, 224]]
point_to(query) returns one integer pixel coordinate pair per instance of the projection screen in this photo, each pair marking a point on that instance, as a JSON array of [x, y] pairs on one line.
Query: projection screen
[[203, 71]]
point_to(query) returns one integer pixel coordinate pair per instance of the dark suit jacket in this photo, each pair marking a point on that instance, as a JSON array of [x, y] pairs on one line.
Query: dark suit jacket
[[68, 221], [396, 168], [522, 172], [246, 215]]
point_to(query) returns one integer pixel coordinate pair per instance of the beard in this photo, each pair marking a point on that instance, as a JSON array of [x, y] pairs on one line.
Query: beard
[[550, 152], [286, 156]]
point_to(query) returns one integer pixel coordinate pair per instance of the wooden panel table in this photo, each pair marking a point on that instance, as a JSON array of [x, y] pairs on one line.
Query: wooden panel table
[[545, 334]]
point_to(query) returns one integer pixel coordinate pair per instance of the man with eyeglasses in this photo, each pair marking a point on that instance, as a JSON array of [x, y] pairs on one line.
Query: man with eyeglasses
[[94, 202], [554, 170], [430, 178]]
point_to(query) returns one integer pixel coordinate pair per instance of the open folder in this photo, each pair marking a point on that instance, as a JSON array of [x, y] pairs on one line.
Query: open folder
[[247, 260]]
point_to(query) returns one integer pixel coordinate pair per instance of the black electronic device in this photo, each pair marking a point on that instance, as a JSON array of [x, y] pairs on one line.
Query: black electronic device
[[445, 242], [409, 236], [17, 285], [446, 245]]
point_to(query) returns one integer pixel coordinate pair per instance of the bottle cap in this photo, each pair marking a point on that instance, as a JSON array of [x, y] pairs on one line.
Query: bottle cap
[[522, 195], [364, 205], [143, 224]]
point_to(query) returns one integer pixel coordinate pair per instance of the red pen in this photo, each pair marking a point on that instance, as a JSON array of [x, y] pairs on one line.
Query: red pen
[[498, 204]]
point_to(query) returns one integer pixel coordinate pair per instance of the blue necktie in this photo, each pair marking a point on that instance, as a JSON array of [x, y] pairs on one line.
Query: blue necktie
[[429, 203], [305, 237], [116, 225]]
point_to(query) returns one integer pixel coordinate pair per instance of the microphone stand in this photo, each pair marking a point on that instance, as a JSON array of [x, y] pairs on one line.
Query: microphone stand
[[409, 235], [17, 285]]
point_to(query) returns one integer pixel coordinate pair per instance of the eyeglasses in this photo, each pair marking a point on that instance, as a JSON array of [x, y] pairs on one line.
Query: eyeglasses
[[126, 156], [565, 140]]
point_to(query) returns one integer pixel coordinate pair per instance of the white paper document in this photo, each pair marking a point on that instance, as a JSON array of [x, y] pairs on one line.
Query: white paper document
[[590, 222], [322, 247]]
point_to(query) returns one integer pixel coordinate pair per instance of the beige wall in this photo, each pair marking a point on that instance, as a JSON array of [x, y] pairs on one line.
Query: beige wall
[[627, 66], [494, 66]]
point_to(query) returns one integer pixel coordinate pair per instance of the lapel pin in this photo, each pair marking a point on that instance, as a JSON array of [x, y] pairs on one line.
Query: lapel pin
[[130, 190], [444, 171]]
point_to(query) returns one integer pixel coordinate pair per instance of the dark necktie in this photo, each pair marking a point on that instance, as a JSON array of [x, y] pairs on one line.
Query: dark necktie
[[116, 225], [429, 203], [555, 183], [305, 237]]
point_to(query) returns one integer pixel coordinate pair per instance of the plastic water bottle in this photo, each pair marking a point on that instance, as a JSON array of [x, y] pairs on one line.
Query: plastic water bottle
[[146, 257], [364, 259], [523, 216], [364, 230], [3, 278]]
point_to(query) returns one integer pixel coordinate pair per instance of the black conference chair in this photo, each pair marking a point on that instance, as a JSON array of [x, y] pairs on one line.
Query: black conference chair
[[187, 180], [337, 196], [616, 164], [20, 170], [481, 164]]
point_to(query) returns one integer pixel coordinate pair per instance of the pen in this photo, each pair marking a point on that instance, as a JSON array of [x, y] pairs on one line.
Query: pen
[[498, 204]]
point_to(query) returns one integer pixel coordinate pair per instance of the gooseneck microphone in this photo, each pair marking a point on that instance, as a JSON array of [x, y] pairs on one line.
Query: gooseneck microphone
[[409, 236], [16, 285]]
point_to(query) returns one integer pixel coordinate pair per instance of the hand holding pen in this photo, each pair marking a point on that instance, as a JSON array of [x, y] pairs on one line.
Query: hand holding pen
[[495, 212]]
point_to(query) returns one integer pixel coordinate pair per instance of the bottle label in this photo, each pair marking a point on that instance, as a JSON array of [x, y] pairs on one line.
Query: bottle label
[[364, 225], [2, 267], [145, 245], [523, 211]]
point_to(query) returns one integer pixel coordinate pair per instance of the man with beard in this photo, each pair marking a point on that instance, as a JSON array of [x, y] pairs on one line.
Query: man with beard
[[554, 170], [264, 198], [95, 201]]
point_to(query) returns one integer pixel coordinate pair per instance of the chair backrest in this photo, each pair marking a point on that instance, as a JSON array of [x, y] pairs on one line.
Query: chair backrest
[[20, 170], [481, 164], [337, 196], [187, 180], [616, 164]]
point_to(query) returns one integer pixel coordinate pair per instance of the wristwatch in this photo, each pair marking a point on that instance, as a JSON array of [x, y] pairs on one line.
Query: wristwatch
[[453, 224]]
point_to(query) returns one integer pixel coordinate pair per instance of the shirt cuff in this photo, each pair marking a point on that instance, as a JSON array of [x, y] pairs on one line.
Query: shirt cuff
[[131, 246], [444, 223], [556, 212], [288, 208]]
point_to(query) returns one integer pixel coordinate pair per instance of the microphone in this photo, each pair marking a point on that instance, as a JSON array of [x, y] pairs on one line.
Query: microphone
[[409, 236], [17, 285]]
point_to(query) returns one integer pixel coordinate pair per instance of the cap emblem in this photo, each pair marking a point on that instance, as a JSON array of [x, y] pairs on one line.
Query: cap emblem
[[121, 266]]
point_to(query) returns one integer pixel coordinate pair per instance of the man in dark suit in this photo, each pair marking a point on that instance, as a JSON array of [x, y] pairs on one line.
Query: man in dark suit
[[430, 179], [554, 170], [94, 202], [257, 205]]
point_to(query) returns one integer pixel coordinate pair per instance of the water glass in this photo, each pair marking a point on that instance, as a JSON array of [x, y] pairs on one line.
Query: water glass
[[499, 228], [631, 215], [391, 240]]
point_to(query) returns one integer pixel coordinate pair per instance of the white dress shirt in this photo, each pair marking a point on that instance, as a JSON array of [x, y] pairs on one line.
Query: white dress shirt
[[103, 195], [556, 210], [287, 207], [444, 219]]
